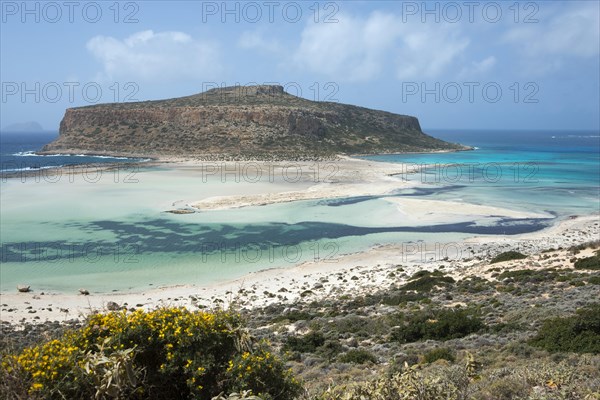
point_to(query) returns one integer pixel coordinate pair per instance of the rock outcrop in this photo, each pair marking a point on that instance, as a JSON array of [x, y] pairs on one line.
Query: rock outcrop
[[239, 122]]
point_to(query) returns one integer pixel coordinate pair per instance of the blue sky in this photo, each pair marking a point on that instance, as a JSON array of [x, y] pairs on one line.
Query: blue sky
[[454, 65]]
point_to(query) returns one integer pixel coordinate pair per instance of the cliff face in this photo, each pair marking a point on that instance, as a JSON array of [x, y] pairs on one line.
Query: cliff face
[[255, 121]]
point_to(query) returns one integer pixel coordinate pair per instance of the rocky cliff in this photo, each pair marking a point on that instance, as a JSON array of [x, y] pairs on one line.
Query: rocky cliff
[[252, 121]]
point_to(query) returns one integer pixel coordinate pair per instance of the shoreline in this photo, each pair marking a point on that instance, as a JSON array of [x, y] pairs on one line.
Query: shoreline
[[361, 272], [194, 156], [150, 160], [146, 159]]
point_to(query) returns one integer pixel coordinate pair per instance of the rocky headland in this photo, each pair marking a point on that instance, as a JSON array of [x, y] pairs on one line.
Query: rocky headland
[[241, 122]]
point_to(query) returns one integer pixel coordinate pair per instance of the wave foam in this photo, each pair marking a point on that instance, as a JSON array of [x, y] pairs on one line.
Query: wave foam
[[34, 154]]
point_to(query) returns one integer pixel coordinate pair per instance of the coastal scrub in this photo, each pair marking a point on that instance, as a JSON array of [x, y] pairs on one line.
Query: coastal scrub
[[166, 353]]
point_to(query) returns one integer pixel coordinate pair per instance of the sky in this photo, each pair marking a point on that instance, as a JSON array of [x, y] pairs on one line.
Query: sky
[[454, 65]]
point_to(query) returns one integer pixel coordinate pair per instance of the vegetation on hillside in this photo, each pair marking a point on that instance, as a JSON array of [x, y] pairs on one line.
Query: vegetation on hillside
[[508, 256], [169, 353], [507, 333]]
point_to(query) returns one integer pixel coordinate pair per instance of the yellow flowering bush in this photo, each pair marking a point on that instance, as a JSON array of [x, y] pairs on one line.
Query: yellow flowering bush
[[262, 372], [44, 365], [174, 353]]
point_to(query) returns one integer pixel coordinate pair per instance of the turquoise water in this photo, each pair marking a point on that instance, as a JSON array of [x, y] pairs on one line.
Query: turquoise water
[[557, 172], [113, 234]]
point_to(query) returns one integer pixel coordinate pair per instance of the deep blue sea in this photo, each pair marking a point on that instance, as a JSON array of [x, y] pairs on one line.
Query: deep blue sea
[[17, 153]]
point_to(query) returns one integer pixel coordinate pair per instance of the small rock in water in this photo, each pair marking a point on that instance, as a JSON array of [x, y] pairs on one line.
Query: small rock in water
[[23, 288], [84, 292]]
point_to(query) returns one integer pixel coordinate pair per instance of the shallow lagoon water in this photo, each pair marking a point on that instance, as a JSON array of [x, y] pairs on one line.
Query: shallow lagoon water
[[556, 172], [113, 233], [109, 235]]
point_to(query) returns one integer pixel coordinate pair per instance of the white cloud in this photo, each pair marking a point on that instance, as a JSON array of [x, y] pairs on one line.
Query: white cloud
[[485, 64], [360, 48], [572, 31], [148, 55], [427, 51], [338, 50], [477, 68]]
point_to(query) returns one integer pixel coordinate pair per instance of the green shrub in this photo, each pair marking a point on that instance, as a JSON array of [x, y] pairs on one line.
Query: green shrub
[[358, 356], [305, 344], [424, 281], [166, 353], [442, 324], [440, 353], [594, 280], [529, 275], [579, 333], [507, 256], [294, 316], [505, 327], [592, 263], [506, 388], [330, 349], [473, 284], [359, 327], [400, 297]]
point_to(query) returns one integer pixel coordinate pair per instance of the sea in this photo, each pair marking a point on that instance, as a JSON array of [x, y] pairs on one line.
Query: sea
[[552, 171], [114, 234], [18, 153]]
